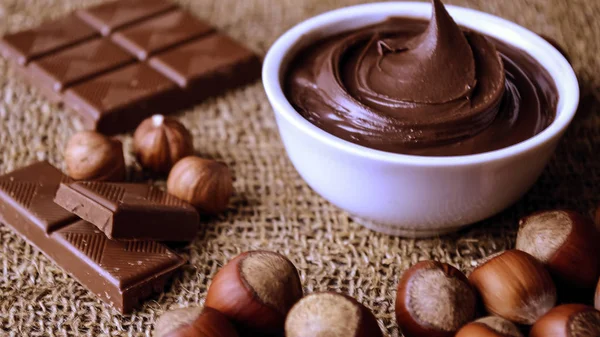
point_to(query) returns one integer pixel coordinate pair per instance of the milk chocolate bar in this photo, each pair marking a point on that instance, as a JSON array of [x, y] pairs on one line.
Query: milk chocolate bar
[[117, 63], [130, 211], [121, 273]]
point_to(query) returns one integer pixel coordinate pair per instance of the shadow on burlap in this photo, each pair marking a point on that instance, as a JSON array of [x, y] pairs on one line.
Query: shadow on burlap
[[274, 209]]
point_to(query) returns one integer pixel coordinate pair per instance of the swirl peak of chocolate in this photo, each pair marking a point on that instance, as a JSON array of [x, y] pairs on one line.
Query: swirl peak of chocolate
[[435, 67], [426, 88]]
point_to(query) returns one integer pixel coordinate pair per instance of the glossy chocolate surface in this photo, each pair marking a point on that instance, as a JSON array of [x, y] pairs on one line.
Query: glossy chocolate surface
[[422, 87]]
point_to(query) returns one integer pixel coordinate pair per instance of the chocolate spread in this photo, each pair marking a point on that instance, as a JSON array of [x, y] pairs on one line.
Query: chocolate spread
[[424, 88]]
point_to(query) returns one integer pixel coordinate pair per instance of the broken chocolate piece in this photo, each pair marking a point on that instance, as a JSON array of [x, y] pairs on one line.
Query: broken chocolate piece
[[106, 80], [130, 211], [121, 273]]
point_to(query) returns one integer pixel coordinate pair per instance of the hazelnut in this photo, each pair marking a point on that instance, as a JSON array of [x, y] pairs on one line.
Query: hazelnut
[[256, 290], [204, 183], [92, 156], [567, 243], [569, 320], [434, 299], [597, 297], [194, 322], [331, 314], [490, 326], [159, 142], [514, 285]]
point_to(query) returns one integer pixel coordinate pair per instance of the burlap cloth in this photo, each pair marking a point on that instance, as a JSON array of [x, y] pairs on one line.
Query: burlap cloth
[[273, 208]]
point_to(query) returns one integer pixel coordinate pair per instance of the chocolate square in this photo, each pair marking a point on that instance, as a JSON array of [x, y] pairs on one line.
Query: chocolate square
[[120, 273], [32, 191], [126, 211], [120, 99], [122, 264], [74, 65], [209, 65], [78, 63], [47, 38], [111, 16], [160, 33]]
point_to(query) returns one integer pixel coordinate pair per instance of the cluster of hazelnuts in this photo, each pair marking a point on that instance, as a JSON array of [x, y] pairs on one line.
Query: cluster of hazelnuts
[[162, 145], [556, 259], [259, 293]]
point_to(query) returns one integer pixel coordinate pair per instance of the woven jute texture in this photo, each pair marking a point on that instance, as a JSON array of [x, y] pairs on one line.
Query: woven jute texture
[[273, 208]]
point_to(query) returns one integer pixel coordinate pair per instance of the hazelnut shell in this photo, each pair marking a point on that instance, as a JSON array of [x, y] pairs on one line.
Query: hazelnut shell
[[567, 243], [159, 142], [434, 299], [490, 326], [331, 314], [597, 297], [194, 322], [92, 156], [515, 286], [206, 184], [569, 320], [256, 290]]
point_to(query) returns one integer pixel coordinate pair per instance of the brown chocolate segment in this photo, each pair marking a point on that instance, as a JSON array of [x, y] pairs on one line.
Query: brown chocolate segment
[[78, 63], [120, 273], [44, 39], [160, 33], [209, 65], [117, 101], [47, 91], [105, 79], [110, 16], [121, 264], [34, 197], [130, 211]]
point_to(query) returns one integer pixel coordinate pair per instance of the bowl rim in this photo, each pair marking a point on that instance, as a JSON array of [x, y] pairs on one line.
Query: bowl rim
[[563, 76]]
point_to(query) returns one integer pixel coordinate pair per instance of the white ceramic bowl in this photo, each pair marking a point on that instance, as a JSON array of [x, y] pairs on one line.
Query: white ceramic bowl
[[408, 195]]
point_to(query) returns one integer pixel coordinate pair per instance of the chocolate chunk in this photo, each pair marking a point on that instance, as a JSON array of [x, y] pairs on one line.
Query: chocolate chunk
[[160, 33], [49, 37], [105, 79], [31, 192], [110, 16], [120, 273], [119, 100], [78, 63], [209, 65], [130, 211]]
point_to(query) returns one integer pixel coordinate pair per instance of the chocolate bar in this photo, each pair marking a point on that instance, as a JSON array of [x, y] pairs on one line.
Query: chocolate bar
[[121, 273], [130, 211], [117, 63], [73, 65]]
